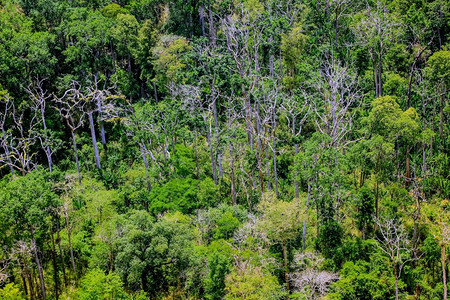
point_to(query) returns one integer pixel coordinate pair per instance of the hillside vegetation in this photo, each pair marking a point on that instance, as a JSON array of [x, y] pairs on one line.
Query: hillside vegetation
[[224, 149]]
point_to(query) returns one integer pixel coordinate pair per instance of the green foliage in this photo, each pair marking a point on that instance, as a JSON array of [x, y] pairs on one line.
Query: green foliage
[[11, 292], [95, 285], [366, 210], [329, 240], [281, 219], [203, 111], [219, 266], [251, 283], [152, 254], [359, 281], [184, 195]]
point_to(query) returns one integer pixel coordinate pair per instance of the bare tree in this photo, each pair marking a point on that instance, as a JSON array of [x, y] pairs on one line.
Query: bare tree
[[239, 27], [40, 97], [5, 158], [296, 113], [232, 125], [71, 108], [375, 30], [18, 140], [337, 87], [393, 241], [203, 104], [308, 278]]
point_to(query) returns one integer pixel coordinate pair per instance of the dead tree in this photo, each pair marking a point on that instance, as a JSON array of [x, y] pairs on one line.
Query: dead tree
[[375, 31], [308, 278], [232, 125], [337, 87], [40, 97], [71, 108], [200, 104], [18, 140], [296, 113], [6, 107], [393, 241]]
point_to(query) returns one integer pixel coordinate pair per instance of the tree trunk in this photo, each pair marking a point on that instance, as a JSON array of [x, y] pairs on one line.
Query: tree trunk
[[233, 184], [30, 281], [376, 198], [69, 233], [202, 18], [219, 158], [48, 153], [411, 74], [441, 119], [7, 153], [144, 158], [375, 76], [380, 78], [38, 263], [269, 185], [100, 111], [55, 269], [297, 194], [75, 151], [94, 140], [304, 221], [396, 281], [407, 173], [196, 155], [211, 154], [24, 279], [286, 270], [212, 31], [248, 117], [444, 273], [275, 162], [61, 254]]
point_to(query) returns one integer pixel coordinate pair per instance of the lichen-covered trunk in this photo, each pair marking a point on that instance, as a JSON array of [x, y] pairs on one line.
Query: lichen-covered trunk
[[94, 140]]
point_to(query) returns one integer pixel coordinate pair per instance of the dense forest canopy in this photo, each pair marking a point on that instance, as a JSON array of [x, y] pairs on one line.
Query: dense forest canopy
[[245, 149]]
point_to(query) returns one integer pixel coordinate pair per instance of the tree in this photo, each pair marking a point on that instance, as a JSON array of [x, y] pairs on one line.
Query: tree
[[27, 201], [95, 285], [71, 109], [375, 28], [18, 140], [394, 243], [438, 70], [152, 254], [251, 283], [308, 278], [40, 97], [440, 229], [11, 292], [337, 87], [281, 222]]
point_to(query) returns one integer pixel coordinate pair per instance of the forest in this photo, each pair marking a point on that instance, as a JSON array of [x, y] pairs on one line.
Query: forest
[[224, 149]]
